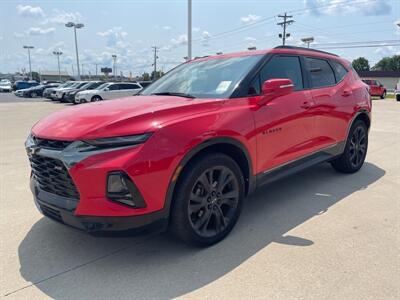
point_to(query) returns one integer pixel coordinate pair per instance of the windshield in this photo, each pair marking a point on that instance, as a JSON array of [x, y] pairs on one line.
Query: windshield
[[214, 78], [103, 86], [92, 85]]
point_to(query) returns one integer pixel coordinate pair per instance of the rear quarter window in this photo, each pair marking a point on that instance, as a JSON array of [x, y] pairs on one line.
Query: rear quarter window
[[321, 73]]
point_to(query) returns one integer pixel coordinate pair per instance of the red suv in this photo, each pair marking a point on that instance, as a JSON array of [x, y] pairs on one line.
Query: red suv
[[188, 150], [376, 88]]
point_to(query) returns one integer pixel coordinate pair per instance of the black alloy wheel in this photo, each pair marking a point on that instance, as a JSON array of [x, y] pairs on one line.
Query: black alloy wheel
[[213, 201], [208, 199]]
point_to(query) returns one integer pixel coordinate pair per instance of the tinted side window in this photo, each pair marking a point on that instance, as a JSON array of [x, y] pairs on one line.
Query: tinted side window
[[340, 71], [113, 87], [321, 73], [287, 67], [255, 87]]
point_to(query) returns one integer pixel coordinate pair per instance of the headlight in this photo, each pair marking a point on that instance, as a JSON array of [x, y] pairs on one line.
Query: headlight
[[119, 141]]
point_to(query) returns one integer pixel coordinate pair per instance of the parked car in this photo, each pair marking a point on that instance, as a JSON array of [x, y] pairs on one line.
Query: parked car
[[397, 91], [66, 85], [92, 85], [5, 86], [19, 85], [60, 93], [376, 88], [109, 91], [187, 150], [48, 91], [36, 91]]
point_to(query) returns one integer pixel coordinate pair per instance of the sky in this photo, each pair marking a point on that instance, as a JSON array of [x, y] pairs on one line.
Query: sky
[[131, 28]]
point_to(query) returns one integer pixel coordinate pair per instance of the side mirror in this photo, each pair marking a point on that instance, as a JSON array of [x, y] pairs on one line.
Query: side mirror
[[274, 88]]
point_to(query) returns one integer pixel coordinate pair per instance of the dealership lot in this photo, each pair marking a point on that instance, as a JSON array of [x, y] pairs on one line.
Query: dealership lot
[[290, 237]]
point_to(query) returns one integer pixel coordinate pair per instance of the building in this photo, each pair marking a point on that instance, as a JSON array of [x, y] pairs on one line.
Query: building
[[54, 76], [388, 78]]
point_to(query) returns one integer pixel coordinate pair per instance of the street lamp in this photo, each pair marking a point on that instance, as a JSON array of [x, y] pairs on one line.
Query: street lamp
[[58, 53], [76, 26], [114, 66], [308, 41], [29, 57], [189, 29]]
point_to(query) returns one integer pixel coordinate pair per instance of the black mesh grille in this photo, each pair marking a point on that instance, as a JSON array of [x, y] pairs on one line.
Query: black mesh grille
[[51, 144], [53, 177]]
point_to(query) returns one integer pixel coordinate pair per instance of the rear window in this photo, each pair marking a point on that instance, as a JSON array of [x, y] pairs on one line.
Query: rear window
[[340, 71], [321, 73]]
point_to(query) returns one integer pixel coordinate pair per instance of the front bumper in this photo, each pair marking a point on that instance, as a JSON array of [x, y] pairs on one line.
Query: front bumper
[[62, 210]]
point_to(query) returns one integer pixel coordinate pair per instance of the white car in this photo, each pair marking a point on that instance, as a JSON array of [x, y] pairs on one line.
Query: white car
[[5, 86], [109, 91]]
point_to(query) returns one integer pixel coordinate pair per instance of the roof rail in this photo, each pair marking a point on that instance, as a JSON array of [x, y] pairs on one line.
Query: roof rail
[[306, 49]]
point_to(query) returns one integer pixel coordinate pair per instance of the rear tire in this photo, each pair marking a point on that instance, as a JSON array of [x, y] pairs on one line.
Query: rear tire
[[355, 150], [208, 200], [383, 96], [96, 98], [33, 95]]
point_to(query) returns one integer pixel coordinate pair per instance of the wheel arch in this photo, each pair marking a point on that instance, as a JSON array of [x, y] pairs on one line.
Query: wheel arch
[[229, 146], [91, 99]]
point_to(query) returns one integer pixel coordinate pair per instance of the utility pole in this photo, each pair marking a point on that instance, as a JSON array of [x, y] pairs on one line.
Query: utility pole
[[189, 29], [155, 48], [29, 57], [114, 56], [286, 22], [58, 53], [96, 70]]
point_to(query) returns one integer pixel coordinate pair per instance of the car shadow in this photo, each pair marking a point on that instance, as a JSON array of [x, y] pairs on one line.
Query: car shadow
[[64, 263]]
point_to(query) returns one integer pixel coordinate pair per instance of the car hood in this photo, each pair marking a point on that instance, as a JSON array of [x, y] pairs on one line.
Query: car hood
[[128, 116]]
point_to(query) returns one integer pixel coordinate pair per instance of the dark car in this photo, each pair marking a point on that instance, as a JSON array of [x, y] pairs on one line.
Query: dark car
[[188, 150], [70, 95], [37, 91], [20, 84]]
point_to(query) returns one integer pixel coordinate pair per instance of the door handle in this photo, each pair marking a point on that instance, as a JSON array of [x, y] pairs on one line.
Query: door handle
[[346, 93], [305, 105]]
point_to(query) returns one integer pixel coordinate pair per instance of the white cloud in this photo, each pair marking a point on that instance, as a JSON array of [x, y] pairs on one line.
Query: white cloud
[[40, 31], [387, 51], [250, 19], [179, 41], [114, 36], [167, 27], [196, 29], [61, 17], [30, 11], [340, 7], [205, 38]]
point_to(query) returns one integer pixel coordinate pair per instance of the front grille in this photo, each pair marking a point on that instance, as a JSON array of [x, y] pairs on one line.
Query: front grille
[[51, 144], [53, 177]]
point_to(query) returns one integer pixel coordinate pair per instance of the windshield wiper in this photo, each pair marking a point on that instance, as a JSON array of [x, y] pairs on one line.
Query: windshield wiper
[[174, 94]]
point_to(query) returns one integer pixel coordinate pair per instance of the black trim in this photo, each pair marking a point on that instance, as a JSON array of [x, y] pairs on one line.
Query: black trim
[[61, 210], [196, 150], [300, 164], [305, 49]]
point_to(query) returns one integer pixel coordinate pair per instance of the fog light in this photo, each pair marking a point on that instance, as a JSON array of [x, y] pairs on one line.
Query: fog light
[[120, 188]]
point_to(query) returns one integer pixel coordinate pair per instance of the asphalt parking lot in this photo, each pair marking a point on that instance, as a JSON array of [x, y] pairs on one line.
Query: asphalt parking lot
[[315, 235]]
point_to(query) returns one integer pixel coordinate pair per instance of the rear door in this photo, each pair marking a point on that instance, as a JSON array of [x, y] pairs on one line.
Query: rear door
[[129, 89], [333, 100], [284, 125]]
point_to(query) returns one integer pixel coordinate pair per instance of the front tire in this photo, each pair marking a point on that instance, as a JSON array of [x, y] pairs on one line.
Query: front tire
[[355, 150], [383, 96], [208, 200], [96, 98], [33, 95]]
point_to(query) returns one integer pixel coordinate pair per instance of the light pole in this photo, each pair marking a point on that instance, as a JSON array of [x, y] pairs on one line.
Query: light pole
[[308, 41], [29, 57], [189, 29], [114, 56], [58, 53], [76, 26]]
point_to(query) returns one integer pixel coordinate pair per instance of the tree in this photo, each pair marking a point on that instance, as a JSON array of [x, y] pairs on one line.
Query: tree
[[158, 75], [361, 64], [35, 76], [388, 64]]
